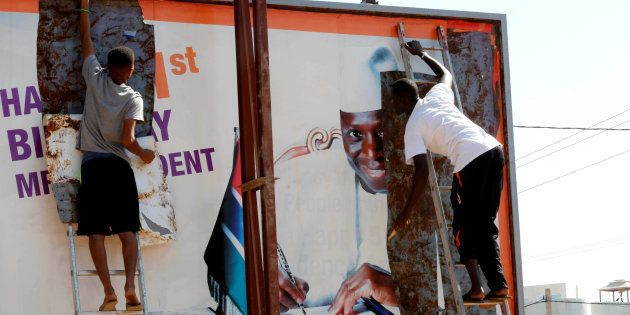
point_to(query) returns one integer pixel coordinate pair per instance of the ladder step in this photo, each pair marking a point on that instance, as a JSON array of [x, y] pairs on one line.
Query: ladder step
[[425, 82], [111, 312], [486, 307], [445, 188], [433, 48], [92, 272]]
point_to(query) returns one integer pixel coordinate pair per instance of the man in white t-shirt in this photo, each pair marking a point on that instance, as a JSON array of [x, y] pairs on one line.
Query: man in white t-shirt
[[436, 124]]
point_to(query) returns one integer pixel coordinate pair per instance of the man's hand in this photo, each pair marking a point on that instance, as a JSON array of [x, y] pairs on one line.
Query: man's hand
[[366, 282], [414, 47], [290, 296], [147, 156]]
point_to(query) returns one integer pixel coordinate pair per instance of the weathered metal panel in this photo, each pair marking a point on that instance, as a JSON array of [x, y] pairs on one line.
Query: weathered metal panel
[[59, 61], [412, 251], [157, 214]]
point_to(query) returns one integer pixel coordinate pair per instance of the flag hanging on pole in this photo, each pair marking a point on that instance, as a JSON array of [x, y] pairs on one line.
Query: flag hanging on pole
[[225, 253]]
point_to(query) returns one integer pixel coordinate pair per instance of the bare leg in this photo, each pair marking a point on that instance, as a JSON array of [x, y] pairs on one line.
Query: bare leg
[[476, 291], [99, 257], [130, 256]]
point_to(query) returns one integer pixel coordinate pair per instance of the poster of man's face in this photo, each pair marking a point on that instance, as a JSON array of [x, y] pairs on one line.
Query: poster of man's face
[[362, 135], [332, 197]]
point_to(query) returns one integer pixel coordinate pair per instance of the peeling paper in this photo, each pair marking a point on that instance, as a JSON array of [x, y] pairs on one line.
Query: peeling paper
[[157, 215]]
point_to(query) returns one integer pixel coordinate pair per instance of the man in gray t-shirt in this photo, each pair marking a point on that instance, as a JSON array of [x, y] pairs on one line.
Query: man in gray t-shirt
[[107, 106], [108, 196]]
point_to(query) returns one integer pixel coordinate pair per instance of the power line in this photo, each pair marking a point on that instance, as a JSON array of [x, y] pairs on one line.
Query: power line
[[572, 128], [539, 301], [579, 249], [570, 145], [573, 172], [571, 135], [584, 250]]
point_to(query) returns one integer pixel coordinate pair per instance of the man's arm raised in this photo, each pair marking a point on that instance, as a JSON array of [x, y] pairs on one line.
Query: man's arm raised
[[86, 39], [445, 76]]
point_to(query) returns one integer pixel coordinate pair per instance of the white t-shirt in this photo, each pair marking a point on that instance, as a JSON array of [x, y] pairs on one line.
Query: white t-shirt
[[436, 124]]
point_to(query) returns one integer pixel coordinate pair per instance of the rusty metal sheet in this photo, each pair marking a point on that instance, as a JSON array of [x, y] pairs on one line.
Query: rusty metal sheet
[[157, 214], [472, 54], [59, 61], [412, 252]]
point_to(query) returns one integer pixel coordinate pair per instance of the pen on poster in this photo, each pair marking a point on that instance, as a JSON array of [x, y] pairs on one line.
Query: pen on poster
[[285, 266], [377, 308]]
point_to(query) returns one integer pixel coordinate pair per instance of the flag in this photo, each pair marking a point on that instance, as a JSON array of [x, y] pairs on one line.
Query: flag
[[225, 253]]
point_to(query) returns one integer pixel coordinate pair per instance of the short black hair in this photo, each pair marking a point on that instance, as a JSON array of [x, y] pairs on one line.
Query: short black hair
[[405, 89], [120, 56]]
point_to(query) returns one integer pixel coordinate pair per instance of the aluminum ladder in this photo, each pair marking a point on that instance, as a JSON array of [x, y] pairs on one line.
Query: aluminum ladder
[[76, 273]]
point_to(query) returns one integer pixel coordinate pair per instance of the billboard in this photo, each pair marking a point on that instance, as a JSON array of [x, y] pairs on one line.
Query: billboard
[[328, 63]]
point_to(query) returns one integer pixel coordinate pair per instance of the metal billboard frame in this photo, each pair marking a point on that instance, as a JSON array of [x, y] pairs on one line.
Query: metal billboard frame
[[498, 19]]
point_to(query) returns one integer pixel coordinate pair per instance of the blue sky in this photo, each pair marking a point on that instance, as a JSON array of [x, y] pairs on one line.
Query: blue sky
[[568, 65]]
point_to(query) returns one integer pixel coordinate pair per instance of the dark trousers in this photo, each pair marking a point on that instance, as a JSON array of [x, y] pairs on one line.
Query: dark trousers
[[475, 197]]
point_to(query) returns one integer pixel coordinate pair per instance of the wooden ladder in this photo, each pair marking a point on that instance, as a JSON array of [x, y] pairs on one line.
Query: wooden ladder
[[490, 306]]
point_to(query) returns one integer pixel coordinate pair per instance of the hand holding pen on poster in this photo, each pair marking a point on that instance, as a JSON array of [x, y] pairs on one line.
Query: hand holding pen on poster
[[370, 282], [292, 289]]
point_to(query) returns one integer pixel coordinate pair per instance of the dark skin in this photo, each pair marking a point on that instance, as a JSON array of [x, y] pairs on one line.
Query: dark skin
[[362, 135], [405, 104], [367, 281], [289, 295], [128, 239]]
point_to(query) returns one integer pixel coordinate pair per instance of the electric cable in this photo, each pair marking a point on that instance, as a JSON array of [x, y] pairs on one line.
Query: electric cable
[[572, 128], [573, 172], [579, 249], [571, 135], [570, 145]]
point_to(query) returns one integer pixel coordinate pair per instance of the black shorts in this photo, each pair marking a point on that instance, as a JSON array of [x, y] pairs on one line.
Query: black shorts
[[108, 197]]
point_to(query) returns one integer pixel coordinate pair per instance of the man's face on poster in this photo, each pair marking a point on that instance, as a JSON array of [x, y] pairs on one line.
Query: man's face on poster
[[362, 135]]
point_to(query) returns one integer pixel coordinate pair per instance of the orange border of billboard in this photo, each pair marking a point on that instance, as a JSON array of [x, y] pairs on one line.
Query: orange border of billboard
[[339, 23]]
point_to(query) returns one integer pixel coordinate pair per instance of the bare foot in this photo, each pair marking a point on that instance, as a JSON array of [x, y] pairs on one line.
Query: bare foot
[[500, 293], [474, 295], [130, 296], [109, 302], [110, 295]]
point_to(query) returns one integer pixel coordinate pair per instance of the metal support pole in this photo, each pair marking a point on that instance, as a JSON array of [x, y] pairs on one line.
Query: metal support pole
[[548, 301], [248, 119], [143, 287], [75, 278], [268, 198]]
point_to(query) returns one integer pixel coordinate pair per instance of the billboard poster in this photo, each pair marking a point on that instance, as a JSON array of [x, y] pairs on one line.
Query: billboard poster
[[330, 76]]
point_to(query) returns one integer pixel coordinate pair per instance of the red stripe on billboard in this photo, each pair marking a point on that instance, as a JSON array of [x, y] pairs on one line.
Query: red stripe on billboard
[[336, 23], [24, 6]]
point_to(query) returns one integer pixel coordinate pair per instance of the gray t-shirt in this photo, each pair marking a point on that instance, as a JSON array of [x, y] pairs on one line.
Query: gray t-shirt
[[107, 105]]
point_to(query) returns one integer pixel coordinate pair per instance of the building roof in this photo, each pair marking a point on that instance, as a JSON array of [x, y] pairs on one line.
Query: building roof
[[617, 285]]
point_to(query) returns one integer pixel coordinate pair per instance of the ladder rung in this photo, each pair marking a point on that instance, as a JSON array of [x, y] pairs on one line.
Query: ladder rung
[[484, 305], [92, 272], [445, 188], [433, 48], [425, 82], [111, 312]]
